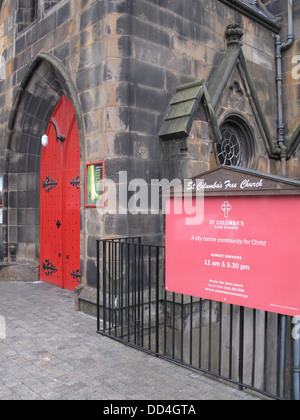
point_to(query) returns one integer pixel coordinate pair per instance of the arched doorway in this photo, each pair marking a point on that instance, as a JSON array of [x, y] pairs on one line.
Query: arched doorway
[[60, 200], [43, 86]]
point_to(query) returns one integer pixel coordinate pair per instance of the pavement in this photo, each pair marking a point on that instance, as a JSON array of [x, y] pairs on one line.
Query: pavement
[[49, 351]]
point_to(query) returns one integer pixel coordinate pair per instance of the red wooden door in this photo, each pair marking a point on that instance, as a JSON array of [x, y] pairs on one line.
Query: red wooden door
[[60, 201]]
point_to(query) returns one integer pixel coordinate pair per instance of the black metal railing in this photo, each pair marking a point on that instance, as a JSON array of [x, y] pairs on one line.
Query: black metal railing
[[247, 347]]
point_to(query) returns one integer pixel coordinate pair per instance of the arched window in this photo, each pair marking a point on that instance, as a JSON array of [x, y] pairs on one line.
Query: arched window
[[237, 147]]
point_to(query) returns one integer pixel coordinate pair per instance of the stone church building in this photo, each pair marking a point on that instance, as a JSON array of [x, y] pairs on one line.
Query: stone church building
[[132, 89]]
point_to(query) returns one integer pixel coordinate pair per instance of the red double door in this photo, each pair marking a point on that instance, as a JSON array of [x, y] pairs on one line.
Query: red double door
[[60, 201]]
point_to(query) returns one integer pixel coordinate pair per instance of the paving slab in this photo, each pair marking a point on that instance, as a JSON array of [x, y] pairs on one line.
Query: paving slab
[[52, 352]]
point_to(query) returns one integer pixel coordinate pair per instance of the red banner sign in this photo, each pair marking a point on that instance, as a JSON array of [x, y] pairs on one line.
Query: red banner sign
[[245, 252]]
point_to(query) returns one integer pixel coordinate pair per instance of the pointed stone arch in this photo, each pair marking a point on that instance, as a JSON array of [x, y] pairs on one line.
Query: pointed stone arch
[[43, 85], [46, 74], [231, 94]]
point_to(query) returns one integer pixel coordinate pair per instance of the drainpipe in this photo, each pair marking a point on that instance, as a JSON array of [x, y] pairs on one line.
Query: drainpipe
[[280, 126], [280, 47]]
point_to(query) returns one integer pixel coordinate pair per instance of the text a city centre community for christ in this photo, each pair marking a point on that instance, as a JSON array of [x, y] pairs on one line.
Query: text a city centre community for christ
[[238, 241]]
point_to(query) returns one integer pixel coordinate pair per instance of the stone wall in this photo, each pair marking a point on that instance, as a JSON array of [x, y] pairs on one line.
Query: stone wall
[[120, 62]]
